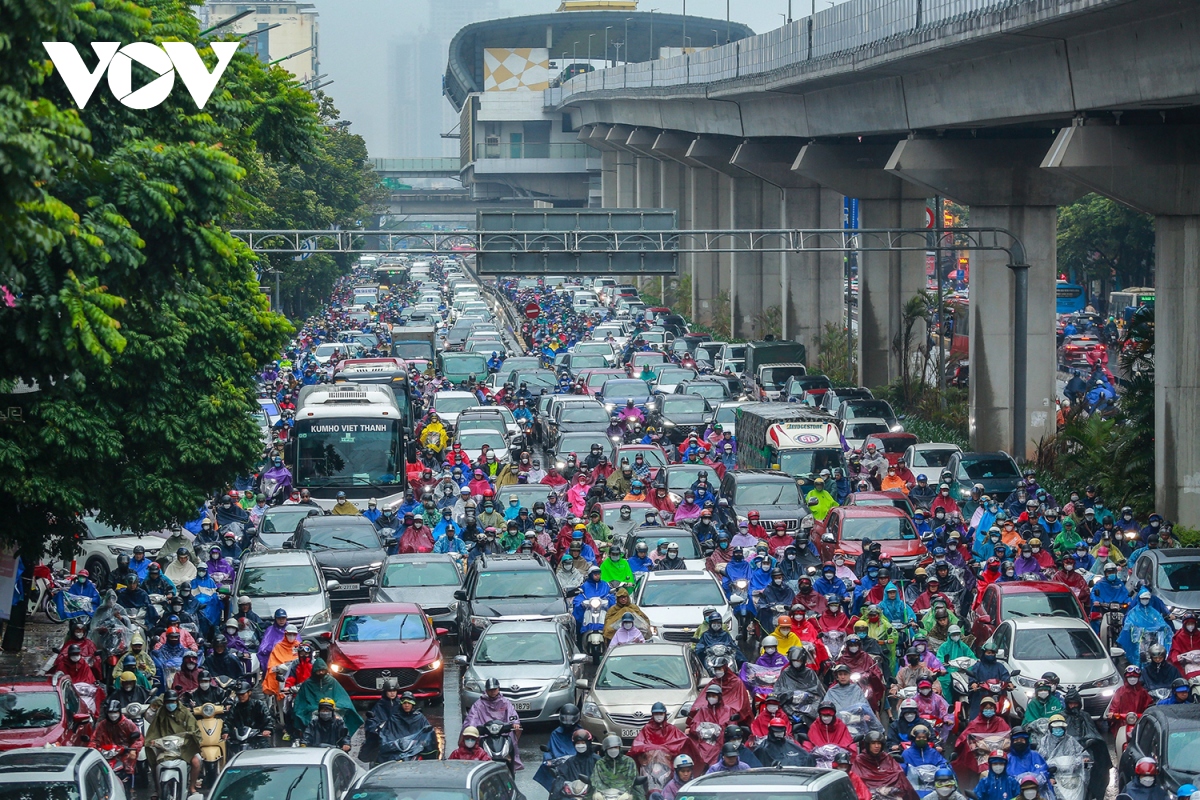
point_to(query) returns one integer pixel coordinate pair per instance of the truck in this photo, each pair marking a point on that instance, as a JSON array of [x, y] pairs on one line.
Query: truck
[[781, 361], [414, 341], [795, 439]]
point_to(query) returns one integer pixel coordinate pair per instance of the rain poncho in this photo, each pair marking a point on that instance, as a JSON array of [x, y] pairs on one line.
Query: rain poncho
[[111, 630], [617, 773], [894, 608], [486, 709], [1143, 622], [313, 690], [180, 571], [879, 771], [282, 653], [616, 569], [706, 751], [947, 653]]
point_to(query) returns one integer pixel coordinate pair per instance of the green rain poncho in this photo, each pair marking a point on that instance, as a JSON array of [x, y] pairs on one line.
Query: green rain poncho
[[947, 653], [1042, 709], [616, 570], [313, 690], [1067, 538], [825, 503]]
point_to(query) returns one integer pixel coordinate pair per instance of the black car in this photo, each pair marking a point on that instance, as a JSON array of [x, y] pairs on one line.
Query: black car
[[428, 579], [773, 494], [1172, 575], [348, 549], [487, 780], [678, 415], [996, 472], [1171, 735], [576, 418], [508, 585]]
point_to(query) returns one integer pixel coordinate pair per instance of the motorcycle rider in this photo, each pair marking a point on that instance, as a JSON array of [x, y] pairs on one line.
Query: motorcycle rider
[[173, 719], [1023, 759], [1180, 694], [207, 691], [117, 730], [492, 705], [715, 634], [468, 747], [998, 784], [683, 769], [247, 713], [579, 767], [1157, 672], [327, 728], [615, 771], [986, 670], [1145, 784]]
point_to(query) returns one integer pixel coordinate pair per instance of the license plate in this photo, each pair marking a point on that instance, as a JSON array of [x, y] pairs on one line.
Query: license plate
[[379, 682], [629, 733], [522, 706], [349, 587]]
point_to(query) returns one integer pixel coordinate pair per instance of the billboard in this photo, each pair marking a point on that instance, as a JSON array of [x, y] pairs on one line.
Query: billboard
[[516, 69]]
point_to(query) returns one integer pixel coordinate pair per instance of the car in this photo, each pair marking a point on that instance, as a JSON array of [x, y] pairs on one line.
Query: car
[[806, 389], [774, 783], [291, 580], [648, 358], [610, 512], [449, 404], [689, 547], [594, 379], [893, 498], [536, 663], [675, 600], [472, 420], [845, 528], [715, 390], [100, 546], [1084, 350], [680, 477], [437, 780], [773, 494], [578, 443], [502, 414], [576, 418], [680, 415], [324, 352], [652, 454], [373, 643], [474, 442], [577, 362], [1170, 735], [836, 395], [547, 414], [1018, 600], [278, 523], [273, 773], [430, 579], [930, 456], [39, 711], [726, 415], [63, 773], [534, 379], [892, 444], [668, 377], [528, 494], [996, 472], [857, 431], [508, 586], [632, 677], [858, 409], [348, 549], [516, 364], [597, 348], [1172, 575], [1066, 646]]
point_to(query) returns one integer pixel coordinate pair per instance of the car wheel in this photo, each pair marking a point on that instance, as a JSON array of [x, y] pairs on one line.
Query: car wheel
[[98, 571]]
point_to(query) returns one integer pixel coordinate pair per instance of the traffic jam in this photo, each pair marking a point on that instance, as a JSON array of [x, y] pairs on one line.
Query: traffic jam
[[550, 537]]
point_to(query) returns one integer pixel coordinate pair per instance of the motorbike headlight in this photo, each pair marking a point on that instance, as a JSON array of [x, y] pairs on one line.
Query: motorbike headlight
[[322, 617], [591, 710], [561, 682]]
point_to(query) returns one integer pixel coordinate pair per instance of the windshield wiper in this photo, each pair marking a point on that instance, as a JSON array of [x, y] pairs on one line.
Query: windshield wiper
[[658, 678], [628, 679], [357, 545]]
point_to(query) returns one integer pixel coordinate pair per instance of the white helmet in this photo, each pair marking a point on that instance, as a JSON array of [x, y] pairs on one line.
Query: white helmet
[[770, 641], [683, 760]]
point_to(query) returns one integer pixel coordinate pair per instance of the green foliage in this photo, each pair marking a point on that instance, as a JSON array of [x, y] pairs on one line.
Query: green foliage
[[1100, 239], [1188, 537], [138, 317], [833, 360]]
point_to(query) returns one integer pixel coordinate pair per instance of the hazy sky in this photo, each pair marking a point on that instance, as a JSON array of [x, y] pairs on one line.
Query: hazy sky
[[355, 36]]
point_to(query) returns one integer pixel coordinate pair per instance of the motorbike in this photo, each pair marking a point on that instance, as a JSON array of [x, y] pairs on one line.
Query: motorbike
[[1125, 730], [1112, 619], [921, 778], [112, 754], [212, 745], [860, 720], [171, 771], [247, 738], [825, 754], [833, 641], [418, 746], [137, 713], [592, 630], [655, 767], [760, 680], [496, 743], [743, 611], [563, 789], [980, 745]]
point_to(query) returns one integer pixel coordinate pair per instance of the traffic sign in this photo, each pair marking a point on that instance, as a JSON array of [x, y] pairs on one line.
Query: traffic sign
[[532, 310]]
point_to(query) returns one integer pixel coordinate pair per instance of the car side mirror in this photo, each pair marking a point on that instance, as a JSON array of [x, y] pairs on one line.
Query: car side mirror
[[332, 586], [984, 618], [461, 660], [828, 538], [583, 683], [460, 594], [736, 599], [1116, 652], [579, 658], [574, 590], [289, 545], [81, 717], [439, 632]]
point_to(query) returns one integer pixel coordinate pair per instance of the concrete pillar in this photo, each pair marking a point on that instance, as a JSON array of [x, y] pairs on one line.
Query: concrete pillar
[[1002, 182], [1156, 169], [626, 180], [646, 175], [886, 280], [673, 194], [745, 268], [697, 204], [608, 178], [703, 191]]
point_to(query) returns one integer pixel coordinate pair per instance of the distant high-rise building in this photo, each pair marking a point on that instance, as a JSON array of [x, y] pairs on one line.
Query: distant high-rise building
[[295, 36]]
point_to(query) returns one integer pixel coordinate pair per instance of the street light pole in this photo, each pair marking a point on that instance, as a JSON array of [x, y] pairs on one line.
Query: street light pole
[[590, 35], [626, 40], [728, 26], [684, 26], [606, 30], [651, 54]]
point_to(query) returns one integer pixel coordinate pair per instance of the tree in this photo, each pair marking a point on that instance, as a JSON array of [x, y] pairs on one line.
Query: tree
[[135, 313], [1101, 240]]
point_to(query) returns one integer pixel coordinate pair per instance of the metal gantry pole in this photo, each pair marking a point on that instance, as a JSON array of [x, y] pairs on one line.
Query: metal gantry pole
[[939, 225]]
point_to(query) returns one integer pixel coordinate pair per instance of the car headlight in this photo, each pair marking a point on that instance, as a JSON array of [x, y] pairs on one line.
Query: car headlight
[[375, 564], [561, 682], [1028, 683], [480, 622], [472, 683], [591, 710], [651, 405], [322, 617], [431, 666], [1111, 680], [666, 423], [609, 406], [335, 668], [564, 619], [116, 551]]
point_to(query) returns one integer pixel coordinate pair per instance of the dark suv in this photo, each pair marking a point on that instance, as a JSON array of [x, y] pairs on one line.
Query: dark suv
[[774, 495], [347, 548], [515, 586]]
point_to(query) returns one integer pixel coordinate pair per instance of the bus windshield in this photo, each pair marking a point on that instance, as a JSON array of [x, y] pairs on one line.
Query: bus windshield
[[798, 463], [348, 452]]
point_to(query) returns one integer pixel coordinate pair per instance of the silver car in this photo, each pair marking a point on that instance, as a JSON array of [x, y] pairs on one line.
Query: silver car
[[291, 580], [1063, 645], [535, 662]]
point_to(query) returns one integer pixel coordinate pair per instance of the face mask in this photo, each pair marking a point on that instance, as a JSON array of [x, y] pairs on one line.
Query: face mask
[[839, 561], [989, 713], [925, 692], [798, 664], [998, 769], [660, 718], [75, 659], [627, 626], [1144, 600], [113, 716], [766, 567], [1111, 578], [944, 791], [791, 556], [1029, 794], [324, 716], [172, 706], [1189, 626], [955, 637], [1043, 694], [909, 716], [1058, 731], [862, 634], [1146, 780], [777, 581], [712, 701], [205, 684]]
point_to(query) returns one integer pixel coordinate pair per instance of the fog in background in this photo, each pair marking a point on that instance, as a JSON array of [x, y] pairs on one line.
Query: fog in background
[[387, 58]]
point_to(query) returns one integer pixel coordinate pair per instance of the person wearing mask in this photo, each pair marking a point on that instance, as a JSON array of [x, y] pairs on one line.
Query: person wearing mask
[[559, 745], [989, 723], [706, 749], [468, 747], [1157, 671], [879, 770], [116, 730], [1145, 784], [657, 736], [379, 720], [997, 783], [327, 728], [248, 713], [492, 705], [207, 691], [1130, 697], [987, 669], [1043, 705], [616, 613], [407, 723], [730, 760], [921, 753], [615, 771], [172, 719], [320, 687], [1023, 759], [578, 767], [1146, 619]]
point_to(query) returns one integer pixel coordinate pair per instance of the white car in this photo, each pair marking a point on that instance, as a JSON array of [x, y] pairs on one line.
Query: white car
[[1064, 645], [98, 550], [449, 404], [930, 456], [727, 415], [856, 431], [58, 772], [326, 350], [282, 772], [473, 441], [675, 600]]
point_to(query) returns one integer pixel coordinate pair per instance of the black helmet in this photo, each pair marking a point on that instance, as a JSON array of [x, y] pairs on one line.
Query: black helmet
[[873, 736], [568, 714], [842, 757], [581, 735], [74, 650], [734, 732], [729, 749], [1179, 683], [492, 683], [113, 705], [170, 695]]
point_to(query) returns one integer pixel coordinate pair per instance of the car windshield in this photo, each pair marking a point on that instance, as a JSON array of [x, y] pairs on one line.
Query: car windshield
[[475, 440], [1179, 576], [1035, 604], [41, 790], [868, 408], [584, 361], [29, 710], [681, 593], [260, 782], [341, 537], [649, 359], [688, 549], [620, 390], [809, 462], [420, 573], [597, 379], [777, 377], [768, 493], [727, 414], [1183, 747], [711, 390], [494, 424], [284, 520], [666, 671], [675, 374], [932, 457], [684, 404], [273, 581], [519, 648], [861, 430], [582, 413], [382, 628], [537, 378], [453, 404], [348, 452], [980, 468], [517, 583], [653, 456], [580, 442], [893, 444], [528, 495], [877, 529], [683, 477], [1057, 645]]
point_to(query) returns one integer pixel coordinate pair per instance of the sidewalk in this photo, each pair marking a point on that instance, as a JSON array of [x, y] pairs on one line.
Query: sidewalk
[[42, 640]]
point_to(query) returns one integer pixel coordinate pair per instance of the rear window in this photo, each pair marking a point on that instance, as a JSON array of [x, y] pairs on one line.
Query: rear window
[[868, 408], [877, 529], [19, 710], [978, 469], [894, 444]]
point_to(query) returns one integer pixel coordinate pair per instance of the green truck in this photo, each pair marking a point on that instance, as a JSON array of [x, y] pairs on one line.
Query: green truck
[[770, 364], [785, 436]]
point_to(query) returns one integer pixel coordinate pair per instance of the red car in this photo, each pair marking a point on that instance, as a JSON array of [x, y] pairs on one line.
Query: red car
[[1084, 350], [893, 498], [893, 445], [373, 643], [1003, 601], [846, 527], [594, 378], [37, 712]]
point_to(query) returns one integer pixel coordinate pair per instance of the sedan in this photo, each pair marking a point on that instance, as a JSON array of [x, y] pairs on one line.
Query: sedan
[[577, 418], [535, 661], [348, 549], [930, 455], [278, 523], [670, 377], [857, 431], [430, 579], [712, 389], [874, 409], [294, 772], [374, 643], [1069, 647], [1172, 575], [1170, 734], [474, 442], [435, 780], [633, 676], [41, 713], [681, 415], [675, 600], [689, 547], [680, 478]]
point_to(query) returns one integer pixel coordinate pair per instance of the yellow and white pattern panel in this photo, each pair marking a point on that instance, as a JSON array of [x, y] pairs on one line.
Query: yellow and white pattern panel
[[516, 69]]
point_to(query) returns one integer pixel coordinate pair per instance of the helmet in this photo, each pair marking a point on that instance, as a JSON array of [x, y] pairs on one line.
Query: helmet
[[492, 683], [683, 760], [908, 704], [842, 757], [612, 740], [729, 749], [1145, 766], [944, 774], [770, 641], [1179, 683], [873, 736], [1157, 651], [1028, 779], [568, 714], [581, 735]]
